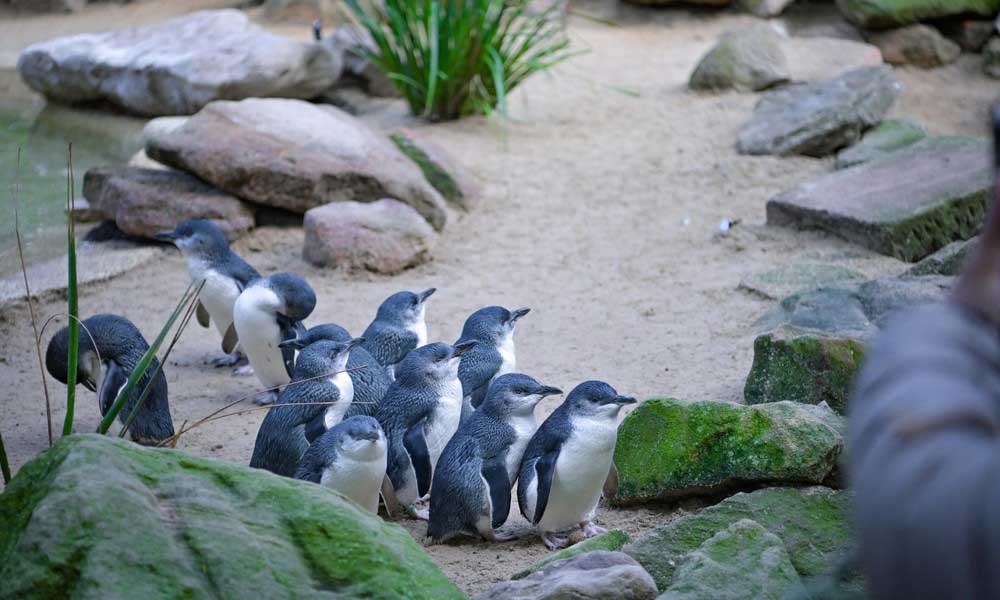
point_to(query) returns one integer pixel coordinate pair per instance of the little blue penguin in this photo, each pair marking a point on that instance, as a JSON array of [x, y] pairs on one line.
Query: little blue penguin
[[110, 347], [349, 458], [419, 414], [493, 327], [269, 311], [369, 378], [399, 327], [319, 378], [226, 275], [568, 461], [474, 477]]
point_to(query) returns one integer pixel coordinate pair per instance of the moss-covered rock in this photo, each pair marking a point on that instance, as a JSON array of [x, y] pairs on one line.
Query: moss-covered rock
[[889, 136], [790, 364], [892, 13], [742, 561], [811, 522], [670, 449], [449, 178], [610, 541], [748, 59], [783, 281], [97, 517], [946, 261]]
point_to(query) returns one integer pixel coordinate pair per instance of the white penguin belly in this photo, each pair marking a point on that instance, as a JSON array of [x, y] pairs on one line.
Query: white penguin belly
[[260, 335], [335, 414], [419, 328], [508, 358], [444, 420], [359, 480], [218, 295], [580, 472], [524, 427]]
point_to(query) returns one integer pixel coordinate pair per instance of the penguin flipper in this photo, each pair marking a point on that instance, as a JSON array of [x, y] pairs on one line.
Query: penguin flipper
[[611, 483], [202, 315], [114, 378], [494, 470], [478, 395], [316, 427], [420, 457], [229, 340], [545, 469], [388, 493]]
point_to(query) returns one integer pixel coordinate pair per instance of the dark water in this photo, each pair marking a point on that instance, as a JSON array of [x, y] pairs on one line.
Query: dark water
[[43, 132]]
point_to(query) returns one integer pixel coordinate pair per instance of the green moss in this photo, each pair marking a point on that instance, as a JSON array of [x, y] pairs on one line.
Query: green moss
[[925, 233], [811, 523], [97, 516], [611, 541], [435, 174], [669, 449], [802, 367], [890, 13]]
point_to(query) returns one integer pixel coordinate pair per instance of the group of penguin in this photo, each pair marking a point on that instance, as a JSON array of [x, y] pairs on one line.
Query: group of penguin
[[438, 431]]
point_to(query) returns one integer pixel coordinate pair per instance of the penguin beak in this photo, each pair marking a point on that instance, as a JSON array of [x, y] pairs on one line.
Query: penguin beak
[[623, 400], [89, 383], [424, 295], [355, 342], [168, 236], [517, 314], [464, 347], [371, 436], [548, 390]]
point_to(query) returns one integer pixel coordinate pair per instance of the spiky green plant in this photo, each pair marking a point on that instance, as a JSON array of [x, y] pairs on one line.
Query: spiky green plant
[[4, 467], [450, 58], [72, 301]]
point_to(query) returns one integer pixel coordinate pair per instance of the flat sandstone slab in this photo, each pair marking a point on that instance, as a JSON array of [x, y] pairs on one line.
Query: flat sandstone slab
[[909, 204]]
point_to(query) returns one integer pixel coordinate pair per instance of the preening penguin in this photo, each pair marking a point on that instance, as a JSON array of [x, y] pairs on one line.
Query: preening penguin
[[104, 365], [568, 460], [474, 477], [398, 328], [226, 275], [349, 458], [268, 312], [419, 414], [319, 378], [493, 327]]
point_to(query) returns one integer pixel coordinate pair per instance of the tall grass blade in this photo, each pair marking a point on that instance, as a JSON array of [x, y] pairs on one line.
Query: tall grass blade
[[72, 300], [143, 365], [4, 467], [15, 198]]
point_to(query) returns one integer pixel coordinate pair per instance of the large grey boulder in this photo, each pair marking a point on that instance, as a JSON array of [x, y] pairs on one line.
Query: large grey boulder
[[919, 45], [748, 59], [907, 205], [889, 136], [143, 201], [816, 119], [178, 66], [878, 14], [946, 261], [458, 186], [991, 57], [99, 517], [294, 155], [783, 281], [597, 575], [384, 236], [742, 561], [819, 58]]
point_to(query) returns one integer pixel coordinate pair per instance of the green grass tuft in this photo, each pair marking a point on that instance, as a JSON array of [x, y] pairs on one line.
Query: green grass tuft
[[72, 301]]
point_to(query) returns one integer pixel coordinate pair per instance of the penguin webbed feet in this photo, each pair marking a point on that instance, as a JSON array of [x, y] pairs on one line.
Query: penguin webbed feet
[[228, 360], [267, 398], [590, 530], [243, 370], [421, 514], [553, 541]]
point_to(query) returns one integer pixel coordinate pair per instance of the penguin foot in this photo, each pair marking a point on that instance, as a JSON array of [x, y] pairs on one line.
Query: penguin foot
[[266, 398], [499, 536], [228, 360], [590, 530], [554, 542], [242, 370], [423, 514]]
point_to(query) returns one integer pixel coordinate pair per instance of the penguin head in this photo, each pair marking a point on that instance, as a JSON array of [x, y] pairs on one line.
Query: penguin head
[[596, 398], [197, 237], [296, 297], [433, 363], [404, 308], [492, 323], [515, 394], [115, 335], [324, 357], [88, 365], [361, 438], [326, 331]]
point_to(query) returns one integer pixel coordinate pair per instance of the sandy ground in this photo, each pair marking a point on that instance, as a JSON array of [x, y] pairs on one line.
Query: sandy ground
[[600, 212]]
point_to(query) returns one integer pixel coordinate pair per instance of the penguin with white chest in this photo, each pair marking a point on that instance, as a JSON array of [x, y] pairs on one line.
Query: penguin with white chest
[[269, 311], [474, 477], [419, 414], [399, 327], [110, 347], [210, 259], [493, 327], [320, 390], [349, 458], [567, 462]]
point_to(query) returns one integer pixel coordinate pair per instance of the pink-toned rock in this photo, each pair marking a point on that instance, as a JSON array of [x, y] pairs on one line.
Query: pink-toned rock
[[294, 155], [919, 45], [144, 201], [455, 183], [386, 236]]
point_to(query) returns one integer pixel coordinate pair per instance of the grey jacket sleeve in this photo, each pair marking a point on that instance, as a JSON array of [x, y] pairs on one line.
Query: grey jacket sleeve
[[925, 457]]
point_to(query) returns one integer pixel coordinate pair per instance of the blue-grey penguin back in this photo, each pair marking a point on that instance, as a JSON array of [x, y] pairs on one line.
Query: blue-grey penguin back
[[398, 327], [116, 342], [323, 452]]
